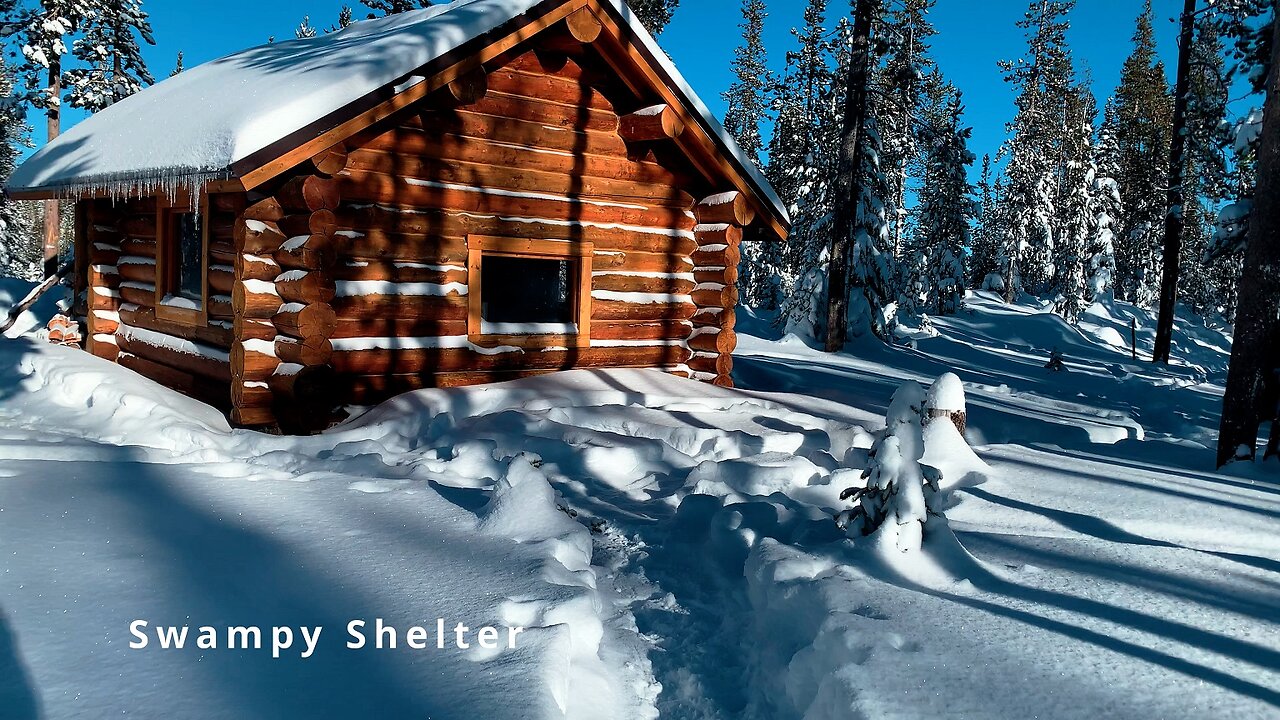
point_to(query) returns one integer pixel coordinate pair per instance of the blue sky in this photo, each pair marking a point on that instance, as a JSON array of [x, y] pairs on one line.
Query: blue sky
[[704, 33]]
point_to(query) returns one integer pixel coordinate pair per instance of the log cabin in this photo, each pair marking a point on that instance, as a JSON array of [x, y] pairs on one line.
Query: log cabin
[[464, 194]]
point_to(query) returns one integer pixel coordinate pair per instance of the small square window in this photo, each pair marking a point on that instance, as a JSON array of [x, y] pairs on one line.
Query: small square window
[[180, 263], [529, 292], [188, 245]]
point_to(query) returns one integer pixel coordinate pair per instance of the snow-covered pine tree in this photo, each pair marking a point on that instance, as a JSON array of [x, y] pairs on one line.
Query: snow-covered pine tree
[[989, 228], [800, 98], [111, 67], [901, 493], [20, 254], [178, 66], [41, 32], [653, 14], [345, 18], [1076, 223], [1249, 395], [811, 181], [381, 8], [798, 154], [899, 88], [1144, 116], [1206, 287], [946, 203], [1044, 81], [747, 98], [748, 106], [1107, 208], [873, 278], [305, 29]]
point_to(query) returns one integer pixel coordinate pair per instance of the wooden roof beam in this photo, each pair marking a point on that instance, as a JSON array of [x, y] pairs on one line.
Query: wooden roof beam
[[659, 122]]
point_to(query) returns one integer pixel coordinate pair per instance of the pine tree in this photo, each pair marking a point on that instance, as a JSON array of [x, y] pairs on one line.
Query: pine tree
[[1205, 287], [901, 493], [747, 109], [178, 67], [799, 100], [1107, 209], [1078, 215], [304, 29], [112, 65], [811, 180], [900, 87], [746, 97], [1250, 394], [381, 8], [1045, 85], [344, 20], [653, 14], [1144, 116], [20, 251], [42, 32], [863, 287], [946, 205], [990, 227]]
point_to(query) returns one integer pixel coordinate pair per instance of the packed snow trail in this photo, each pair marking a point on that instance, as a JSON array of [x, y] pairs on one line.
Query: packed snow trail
[[669, 543]]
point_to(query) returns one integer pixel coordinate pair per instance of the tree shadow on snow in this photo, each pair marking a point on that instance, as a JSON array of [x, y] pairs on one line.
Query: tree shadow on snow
[[223, 572], [18, 696]]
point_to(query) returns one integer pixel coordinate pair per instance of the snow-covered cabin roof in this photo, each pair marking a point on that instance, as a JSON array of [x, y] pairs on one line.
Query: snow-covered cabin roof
[[207, 122]]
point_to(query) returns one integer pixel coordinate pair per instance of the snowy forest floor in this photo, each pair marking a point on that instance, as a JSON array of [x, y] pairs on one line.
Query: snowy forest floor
[[1109, 571]]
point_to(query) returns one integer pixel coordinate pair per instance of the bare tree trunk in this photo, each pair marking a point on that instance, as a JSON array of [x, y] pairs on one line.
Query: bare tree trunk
[[1174, 215], [848, 188], [51, 215], [1250, 394]]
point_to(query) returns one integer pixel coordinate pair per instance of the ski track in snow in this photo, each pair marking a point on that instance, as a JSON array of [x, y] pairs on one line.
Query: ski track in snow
[[669, 543]]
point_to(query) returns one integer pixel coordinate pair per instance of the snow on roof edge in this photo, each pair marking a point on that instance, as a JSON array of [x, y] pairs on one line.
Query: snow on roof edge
[[690, 96], [34, 175]]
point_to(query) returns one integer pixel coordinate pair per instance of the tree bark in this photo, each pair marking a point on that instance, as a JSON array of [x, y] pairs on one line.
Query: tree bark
[[51, 210], [1250, 393], [849, 181], [1174, 216]]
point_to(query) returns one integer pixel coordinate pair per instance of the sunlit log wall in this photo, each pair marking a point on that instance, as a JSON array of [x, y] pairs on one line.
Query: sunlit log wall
[[345, 281]]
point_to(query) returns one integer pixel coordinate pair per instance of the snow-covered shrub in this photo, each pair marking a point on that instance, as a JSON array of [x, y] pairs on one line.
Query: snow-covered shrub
[[900, 493]]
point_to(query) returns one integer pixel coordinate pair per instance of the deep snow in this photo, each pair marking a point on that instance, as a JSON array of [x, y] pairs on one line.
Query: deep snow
[[669, 543]]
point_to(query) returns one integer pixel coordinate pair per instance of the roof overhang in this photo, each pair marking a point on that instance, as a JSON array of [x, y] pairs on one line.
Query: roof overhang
[[632, 57]]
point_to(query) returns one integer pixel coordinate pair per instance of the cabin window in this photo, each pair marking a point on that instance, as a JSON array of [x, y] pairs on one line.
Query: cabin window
[[180, 263], [529, 293]]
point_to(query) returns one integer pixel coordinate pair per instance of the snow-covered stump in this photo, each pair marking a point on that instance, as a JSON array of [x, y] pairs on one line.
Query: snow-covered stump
[[946, 399], [721, 219]]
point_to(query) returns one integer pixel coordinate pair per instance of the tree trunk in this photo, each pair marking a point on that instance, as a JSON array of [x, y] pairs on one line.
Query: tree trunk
[[1250, 379], [51, 214], [848, 180], [1174, 216]]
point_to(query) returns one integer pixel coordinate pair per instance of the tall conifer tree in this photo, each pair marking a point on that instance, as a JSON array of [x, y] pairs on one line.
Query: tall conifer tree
[[1144, 116]]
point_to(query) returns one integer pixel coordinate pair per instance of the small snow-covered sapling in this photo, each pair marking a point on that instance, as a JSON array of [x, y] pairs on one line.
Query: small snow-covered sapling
[[900, 491]]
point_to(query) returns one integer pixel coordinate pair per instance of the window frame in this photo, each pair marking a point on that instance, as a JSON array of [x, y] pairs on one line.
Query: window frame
[[577, 251], [167, 270]]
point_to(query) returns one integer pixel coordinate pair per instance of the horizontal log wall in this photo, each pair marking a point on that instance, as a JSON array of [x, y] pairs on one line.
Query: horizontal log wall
[[123, 326], [538, 156]]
